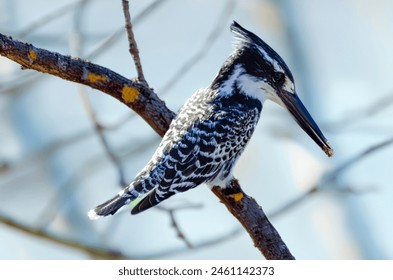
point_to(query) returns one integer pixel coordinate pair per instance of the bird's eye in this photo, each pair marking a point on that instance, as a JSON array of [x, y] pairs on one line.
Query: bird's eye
[[278, 78]]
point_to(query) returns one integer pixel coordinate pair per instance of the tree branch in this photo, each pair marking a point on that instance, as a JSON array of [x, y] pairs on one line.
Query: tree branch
[[175, 224], [53, 15], [99, 253], [99, 130], [331, 177], [115, 36], [105, 253], [355, 116], [131, 40], [137, 96], [254, 220], [145, 102]]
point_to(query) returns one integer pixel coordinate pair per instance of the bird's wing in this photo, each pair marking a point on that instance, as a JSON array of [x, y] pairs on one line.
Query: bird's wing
[[204, 148]]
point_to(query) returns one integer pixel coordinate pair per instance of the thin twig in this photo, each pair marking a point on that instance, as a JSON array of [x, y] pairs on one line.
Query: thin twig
[[29, 78], [134, 51], [115, 36], [106, 253], [203, 244], [89, 168], [179, 232], [99, 129], [137, 96], [101, 253], [358, 115], [77, 45], [171, 211], [331, 177], [203, 50], [44, 20], [294, 202], [20, 82]]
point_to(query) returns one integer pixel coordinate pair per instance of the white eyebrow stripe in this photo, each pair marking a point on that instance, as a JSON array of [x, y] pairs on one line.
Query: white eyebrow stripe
[[273, 61], [289, 85]]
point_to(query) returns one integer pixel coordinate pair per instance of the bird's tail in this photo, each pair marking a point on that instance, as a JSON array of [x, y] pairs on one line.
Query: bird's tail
[[111, 206]]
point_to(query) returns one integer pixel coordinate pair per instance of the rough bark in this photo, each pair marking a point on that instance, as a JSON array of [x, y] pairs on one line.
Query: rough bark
[[255, 222], [134, 94]]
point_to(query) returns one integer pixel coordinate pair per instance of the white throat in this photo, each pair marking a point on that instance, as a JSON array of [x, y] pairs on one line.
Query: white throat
[[249, 85]]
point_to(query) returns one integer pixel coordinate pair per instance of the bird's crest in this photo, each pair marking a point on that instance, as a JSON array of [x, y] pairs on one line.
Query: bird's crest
[[247, 39], [242, 36]]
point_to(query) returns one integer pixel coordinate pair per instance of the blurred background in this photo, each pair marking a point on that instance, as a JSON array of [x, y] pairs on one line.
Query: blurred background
[[55, 165]]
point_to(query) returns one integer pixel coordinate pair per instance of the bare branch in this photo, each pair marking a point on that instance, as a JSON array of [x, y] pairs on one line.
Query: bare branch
[[254, 220], [332, 176], [99, 129], [137, 96], [20, 82], [105, 253], [175, 224], [100, 253], [53, 15], [89, 168], [294, 202], [131, 39], [204, 244], [118, 33], [358, 115], [4, 166], [77, 44]]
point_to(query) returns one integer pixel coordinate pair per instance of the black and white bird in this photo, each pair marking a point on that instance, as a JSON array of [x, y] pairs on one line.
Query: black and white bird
[[213, 127]]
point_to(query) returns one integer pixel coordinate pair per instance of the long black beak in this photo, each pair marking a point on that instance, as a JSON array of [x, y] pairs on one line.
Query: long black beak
[[304, 119]]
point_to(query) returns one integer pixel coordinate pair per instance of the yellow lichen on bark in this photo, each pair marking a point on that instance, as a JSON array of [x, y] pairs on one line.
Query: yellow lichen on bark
[[129, 94], [93, 78], [237, 196], [32, 56]]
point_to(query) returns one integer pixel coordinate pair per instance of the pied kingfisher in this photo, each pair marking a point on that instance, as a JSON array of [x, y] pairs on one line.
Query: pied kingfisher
[[214, 126]]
